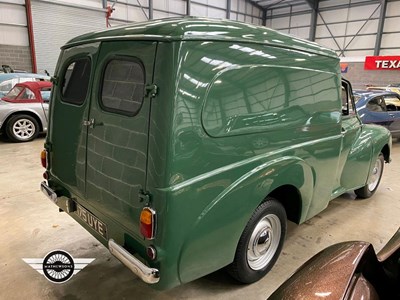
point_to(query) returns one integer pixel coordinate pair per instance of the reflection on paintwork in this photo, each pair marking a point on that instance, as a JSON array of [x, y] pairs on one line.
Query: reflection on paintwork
[[220, 64], [251, 51], [322, 294], [194, 81]]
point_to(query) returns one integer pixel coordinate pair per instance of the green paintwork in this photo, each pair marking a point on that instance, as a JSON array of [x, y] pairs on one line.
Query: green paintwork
[[240, 112]]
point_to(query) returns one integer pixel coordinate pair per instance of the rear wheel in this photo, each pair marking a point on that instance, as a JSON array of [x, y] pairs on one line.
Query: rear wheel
[[260, 243], [373, 180], [22, 128]]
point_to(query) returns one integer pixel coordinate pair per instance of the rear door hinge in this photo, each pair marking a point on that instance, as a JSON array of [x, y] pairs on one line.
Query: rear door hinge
[[151, 90], [144, 196]]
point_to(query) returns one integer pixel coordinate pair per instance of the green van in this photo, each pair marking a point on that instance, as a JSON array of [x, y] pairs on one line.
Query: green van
[[184, 145]]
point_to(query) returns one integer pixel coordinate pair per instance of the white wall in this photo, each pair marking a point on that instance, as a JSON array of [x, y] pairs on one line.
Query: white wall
[[130, 11], [13, 24]]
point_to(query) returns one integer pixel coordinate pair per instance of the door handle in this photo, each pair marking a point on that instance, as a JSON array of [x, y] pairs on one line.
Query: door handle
[[88, 123], [91, 123]]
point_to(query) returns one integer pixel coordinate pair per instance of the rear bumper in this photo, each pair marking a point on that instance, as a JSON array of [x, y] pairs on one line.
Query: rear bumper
[[148, 275], [48, 192]]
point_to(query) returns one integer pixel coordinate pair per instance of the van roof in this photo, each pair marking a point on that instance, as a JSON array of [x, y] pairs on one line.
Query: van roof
[[205, 29]]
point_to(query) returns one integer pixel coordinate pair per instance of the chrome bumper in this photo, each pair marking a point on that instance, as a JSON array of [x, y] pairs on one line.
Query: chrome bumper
[[48, 192], [148, 275]]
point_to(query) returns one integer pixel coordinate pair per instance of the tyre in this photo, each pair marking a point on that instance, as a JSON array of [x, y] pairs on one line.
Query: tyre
[[260, 243], [374, 179], [22, 128]]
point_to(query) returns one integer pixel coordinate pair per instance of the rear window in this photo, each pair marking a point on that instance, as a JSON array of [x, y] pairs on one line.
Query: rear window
[[14, 92], [45, 93], [123, 86], [76, 80]]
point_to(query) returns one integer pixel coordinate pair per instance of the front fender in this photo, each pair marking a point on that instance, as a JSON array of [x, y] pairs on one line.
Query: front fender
[[215, 234], [372, 141]]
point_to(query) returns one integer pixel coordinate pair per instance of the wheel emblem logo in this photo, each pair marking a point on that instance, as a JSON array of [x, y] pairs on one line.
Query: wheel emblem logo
[[58, 266]]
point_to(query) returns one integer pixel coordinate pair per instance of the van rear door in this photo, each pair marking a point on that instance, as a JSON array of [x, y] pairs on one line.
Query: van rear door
[[118, 124], [70, 108]]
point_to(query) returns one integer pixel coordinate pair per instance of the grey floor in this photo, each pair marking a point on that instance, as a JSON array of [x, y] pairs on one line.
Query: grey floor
[[31, 226]]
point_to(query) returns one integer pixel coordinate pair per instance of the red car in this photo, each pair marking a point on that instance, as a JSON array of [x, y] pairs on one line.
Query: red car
[[23, 111]]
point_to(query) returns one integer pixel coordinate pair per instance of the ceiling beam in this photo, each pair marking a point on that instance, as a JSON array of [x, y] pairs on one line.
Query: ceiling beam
[[313, 3], [255, 4], [379, 32]]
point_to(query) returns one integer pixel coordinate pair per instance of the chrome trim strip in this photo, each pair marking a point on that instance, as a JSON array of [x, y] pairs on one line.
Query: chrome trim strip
[[48, 192], [148, 275]]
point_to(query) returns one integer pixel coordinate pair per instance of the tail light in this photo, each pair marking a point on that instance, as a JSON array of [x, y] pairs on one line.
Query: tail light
[[43, 158], [148, 223]]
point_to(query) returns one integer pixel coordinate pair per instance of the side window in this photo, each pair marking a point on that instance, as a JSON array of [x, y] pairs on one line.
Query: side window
[[27, 94], [347, 101], [75, 82], [45, 93], [123, 86], [376, 104], [392, 102]]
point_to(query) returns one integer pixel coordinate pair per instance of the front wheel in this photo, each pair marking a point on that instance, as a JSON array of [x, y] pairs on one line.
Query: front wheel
[[260, 243], [22, 128], [373, 180]]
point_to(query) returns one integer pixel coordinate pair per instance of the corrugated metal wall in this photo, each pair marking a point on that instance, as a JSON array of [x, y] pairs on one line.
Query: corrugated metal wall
[[55, 24], [347, 26]]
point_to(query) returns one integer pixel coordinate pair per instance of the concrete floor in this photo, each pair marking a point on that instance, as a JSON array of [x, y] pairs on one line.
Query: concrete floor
[[31, 226]]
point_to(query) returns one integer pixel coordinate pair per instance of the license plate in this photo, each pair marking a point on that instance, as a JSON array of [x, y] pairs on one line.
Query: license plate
[[91, 220]]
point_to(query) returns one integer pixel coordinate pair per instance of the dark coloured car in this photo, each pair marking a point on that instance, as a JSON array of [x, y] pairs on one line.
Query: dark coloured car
[[382, 108], [23, 111], [348, 271]]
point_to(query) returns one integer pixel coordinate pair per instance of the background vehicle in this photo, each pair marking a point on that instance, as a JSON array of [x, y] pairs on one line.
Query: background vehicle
[[393, 87], [348, 270], [24, 110], [8, 80], [382, 108]]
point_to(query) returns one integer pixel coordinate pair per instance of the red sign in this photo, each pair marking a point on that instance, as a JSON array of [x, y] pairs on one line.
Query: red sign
[[382, 63]]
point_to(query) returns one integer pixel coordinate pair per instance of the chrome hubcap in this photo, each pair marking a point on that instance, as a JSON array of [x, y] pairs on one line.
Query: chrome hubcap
[[24, 129], [264, 242], [375, 175]]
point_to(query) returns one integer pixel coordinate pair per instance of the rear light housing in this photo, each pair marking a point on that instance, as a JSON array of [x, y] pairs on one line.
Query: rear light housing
[[43, 159], [148, 223], [151, 252]]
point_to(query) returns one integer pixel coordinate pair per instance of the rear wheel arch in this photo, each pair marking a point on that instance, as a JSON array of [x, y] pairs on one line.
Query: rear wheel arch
[[289, 196], [21, 127], [29, 113], [386, 153]]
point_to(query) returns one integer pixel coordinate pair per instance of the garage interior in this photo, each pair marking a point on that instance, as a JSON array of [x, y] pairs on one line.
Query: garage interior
[[31, 34]]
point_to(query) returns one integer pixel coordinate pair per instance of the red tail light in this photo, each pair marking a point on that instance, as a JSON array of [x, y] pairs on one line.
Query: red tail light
[[148, 223], [43, 158]]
